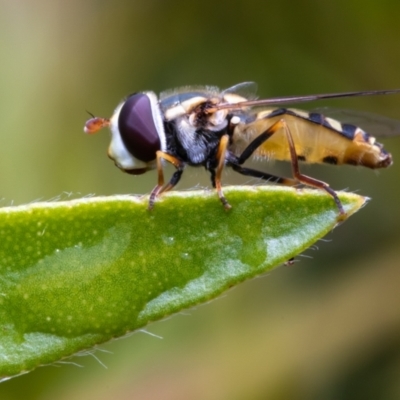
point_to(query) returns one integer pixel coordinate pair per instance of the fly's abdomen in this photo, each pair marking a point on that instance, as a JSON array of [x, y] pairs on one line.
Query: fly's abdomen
[[317, 139]]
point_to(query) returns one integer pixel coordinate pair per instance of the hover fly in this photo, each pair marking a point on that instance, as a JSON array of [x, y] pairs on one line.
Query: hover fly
[[203, 126]]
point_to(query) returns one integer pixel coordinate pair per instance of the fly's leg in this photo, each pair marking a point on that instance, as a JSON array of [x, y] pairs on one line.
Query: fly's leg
[[216, 178], [236, 162], [263, 175], [307, 180], [299, 178], [161, 188]]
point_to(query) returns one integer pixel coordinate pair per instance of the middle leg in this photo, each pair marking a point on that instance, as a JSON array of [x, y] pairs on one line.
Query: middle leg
[[299, 177]]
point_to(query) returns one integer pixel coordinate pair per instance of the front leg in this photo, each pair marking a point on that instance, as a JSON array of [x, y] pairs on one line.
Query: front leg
[[160, 188], [216, 173]]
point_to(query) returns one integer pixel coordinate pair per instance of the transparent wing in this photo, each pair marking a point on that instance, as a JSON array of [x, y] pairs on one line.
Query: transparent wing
[[183, 90], [185, 97], [374, 124], [302, 99], [248, 90]]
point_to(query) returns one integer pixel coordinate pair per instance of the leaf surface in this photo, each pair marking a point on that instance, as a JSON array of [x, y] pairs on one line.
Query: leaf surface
[[77, 273]]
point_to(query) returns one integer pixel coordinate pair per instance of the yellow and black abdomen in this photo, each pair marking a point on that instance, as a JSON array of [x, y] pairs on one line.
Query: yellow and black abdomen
[[317, 139]]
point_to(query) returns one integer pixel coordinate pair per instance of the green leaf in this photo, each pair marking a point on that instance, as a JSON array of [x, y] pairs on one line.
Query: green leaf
[[78, 273]]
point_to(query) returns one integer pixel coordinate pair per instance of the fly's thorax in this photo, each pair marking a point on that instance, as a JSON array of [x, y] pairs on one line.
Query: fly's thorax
[[194, 132], [179, 106], [137, 133], [193, 136], [195, 142], [189, 111]]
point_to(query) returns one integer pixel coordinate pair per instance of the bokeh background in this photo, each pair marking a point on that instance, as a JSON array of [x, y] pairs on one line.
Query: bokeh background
[[326, 328]]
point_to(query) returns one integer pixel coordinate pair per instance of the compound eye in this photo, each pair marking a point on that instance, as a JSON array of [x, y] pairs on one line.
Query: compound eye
[[137, 128]]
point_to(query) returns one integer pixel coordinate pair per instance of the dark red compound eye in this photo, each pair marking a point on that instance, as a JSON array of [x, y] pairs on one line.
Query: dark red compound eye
[[137, 128]]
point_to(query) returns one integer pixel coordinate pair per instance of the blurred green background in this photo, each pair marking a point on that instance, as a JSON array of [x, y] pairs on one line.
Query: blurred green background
[[326, 328]]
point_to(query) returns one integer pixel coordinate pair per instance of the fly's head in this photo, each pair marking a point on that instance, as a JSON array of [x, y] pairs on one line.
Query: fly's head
[[137, 132]]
